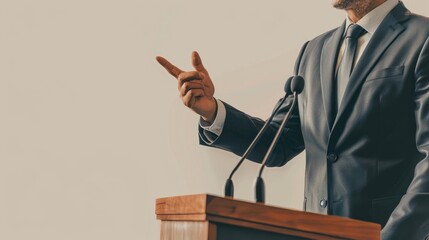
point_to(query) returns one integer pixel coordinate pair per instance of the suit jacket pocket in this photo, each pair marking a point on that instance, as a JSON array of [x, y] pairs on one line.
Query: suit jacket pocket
[[385, 73], [382, 208]]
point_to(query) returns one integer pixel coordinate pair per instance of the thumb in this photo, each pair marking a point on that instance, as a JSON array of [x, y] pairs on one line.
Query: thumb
[[197, 63]]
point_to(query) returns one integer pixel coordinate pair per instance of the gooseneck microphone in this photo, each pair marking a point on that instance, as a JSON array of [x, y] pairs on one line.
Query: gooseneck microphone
[[229, 185], [294, 85], [297, 85]]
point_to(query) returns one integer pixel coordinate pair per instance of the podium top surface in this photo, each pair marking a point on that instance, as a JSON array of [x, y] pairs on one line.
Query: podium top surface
[[205, 207]]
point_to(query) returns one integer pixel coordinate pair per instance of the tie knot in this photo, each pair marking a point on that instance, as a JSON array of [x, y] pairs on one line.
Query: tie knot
[[355, 31]]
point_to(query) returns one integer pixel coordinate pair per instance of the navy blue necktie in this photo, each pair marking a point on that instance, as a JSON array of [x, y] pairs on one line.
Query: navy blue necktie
[[345, 69]]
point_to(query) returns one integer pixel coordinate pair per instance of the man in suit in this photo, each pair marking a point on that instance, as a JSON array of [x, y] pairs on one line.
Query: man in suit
[[363, 118]]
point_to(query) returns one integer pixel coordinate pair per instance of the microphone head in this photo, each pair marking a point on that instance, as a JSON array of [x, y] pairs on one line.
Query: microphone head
[[287, 88], [297, 84]]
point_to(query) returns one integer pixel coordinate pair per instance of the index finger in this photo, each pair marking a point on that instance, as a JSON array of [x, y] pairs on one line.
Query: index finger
[[173, 70]]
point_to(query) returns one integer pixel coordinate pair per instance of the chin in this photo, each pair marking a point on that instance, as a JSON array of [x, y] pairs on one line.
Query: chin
[[342, 4]]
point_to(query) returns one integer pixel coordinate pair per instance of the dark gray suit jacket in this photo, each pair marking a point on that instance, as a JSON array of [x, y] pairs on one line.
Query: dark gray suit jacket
[[371, 160]]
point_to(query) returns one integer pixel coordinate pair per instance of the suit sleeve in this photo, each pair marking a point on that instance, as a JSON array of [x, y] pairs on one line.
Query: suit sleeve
[[240, 129], [410, 219]]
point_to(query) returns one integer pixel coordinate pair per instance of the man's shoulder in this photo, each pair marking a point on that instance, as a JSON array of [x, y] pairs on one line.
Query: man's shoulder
[[417, 28], [320, 40], [419, 21]]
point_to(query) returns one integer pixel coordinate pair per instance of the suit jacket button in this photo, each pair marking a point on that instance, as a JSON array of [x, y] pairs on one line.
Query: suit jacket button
[[323, 203], [332, 157]]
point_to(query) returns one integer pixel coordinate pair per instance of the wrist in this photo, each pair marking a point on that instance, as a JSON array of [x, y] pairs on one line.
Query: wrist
[[211, 115]]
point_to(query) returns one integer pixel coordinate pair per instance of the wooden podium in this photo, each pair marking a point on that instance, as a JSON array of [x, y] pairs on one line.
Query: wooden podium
[[207, 217]]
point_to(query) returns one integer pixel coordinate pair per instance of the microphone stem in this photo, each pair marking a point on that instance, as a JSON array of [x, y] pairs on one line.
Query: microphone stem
[[258, 136], [277, 136]]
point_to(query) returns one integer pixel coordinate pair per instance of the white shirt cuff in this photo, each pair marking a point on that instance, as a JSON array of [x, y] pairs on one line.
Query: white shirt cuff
[[217, 126]]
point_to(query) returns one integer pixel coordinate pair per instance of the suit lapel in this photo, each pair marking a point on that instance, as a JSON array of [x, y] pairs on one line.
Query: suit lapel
[[387, 32], [327, 71]]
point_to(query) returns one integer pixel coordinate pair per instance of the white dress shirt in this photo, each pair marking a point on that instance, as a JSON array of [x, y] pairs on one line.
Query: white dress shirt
[[370, 22]]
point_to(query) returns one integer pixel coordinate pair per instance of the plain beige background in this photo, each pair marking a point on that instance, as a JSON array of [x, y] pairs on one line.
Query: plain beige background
[[92, 130]]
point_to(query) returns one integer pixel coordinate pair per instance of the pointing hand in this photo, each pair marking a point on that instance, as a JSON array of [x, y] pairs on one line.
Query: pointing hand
[[195, 87]]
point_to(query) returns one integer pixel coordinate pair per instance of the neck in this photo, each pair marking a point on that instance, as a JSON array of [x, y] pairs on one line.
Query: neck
[[362, 8]]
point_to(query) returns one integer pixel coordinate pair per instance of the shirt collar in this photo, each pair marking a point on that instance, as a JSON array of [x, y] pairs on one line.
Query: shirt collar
[[373, 19]]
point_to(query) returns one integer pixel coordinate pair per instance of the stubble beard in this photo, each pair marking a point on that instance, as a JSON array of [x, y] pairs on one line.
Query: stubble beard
[[343, 4], [360, 7]]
